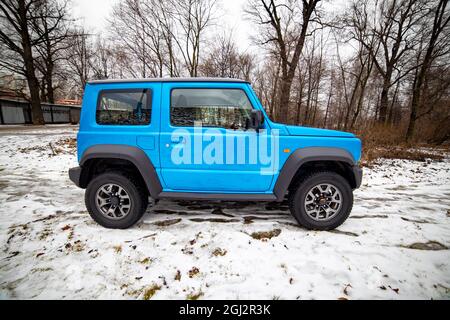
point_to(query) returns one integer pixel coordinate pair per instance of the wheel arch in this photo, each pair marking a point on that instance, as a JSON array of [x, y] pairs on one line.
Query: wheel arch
[[126, 154], [325, 158]]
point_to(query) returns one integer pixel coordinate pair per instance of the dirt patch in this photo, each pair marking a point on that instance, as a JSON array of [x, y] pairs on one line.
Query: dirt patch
[[164, 211], [430, 245], [217, 220], [200, 207], [219, 211], [347, 233], [250, 219], [381, 216], [273, 206], [166, 223], [265, 235], [415, 221], [3, 184]]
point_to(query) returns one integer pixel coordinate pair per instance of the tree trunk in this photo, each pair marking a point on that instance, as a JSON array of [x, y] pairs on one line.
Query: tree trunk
[[289, 67], [49, 82], [33, 84], [285, 95], [419, 81], [328, 106], [299, 104], [384, 101], [416, 96]]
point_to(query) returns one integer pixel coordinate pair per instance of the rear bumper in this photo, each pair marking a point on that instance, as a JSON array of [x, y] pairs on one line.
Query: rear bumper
[[74, 175], [357, 172]]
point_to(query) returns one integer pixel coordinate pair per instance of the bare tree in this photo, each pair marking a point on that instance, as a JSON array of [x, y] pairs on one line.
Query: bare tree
[[79, 58], [313, 76], [280, 26], [156, 35], [192, 17], [102, 61], [437, 45], [389, 37], [226, 61], [137, 32], [355, 74], [17, 39], [164, 16], [51, 25]]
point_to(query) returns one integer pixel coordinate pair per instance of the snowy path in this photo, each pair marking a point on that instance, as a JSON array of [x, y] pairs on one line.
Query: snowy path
[[52, 249]]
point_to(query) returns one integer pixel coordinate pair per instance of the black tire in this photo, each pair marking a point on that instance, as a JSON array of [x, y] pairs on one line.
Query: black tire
[[297, 197], [138, 199]]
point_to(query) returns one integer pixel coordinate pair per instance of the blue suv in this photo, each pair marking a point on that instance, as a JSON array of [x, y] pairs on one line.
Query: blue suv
[[206, 139]]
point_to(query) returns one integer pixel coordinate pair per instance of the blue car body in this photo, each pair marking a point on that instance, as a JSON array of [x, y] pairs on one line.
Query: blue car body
[[156, 141]]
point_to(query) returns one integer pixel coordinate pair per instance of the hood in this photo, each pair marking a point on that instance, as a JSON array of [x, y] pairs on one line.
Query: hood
[[307, 131]]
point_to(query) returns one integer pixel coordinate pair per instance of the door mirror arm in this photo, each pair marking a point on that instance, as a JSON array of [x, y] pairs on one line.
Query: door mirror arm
[[256, 120]]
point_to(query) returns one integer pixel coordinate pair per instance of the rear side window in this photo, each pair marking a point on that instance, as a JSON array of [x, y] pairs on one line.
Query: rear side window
[[124, 107], [225, 108]]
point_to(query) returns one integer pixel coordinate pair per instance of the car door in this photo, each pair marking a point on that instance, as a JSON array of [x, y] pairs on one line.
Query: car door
[[204, 144]]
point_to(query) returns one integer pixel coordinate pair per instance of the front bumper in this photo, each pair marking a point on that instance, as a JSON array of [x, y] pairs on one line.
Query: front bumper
[[357, 173], [74, 175]]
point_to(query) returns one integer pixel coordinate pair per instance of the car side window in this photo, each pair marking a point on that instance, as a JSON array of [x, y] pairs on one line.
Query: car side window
[[124, 107], [225, 108]]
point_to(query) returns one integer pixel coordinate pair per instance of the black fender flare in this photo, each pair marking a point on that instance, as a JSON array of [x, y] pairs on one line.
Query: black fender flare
[[305, 155], [133, 154]]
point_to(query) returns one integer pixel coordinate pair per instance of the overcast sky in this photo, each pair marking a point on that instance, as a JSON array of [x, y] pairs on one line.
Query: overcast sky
[[93, 13]]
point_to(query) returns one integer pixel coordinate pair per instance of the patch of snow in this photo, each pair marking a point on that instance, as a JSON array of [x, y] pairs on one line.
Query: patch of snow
[[51, 248]]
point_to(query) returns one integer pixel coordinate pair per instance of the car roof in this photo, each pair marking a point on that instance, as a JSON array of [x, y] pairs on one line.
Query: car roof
[[168, 80]]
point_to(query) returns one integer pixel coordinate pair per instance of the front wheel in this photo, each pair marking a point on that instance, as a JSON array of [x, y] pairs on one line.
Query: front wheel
[[321, 201], [115, 200]]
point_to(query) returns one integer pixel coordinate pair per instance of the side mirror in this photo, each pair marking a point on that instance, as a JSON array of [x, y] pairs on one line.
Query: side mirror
[[256, 119]]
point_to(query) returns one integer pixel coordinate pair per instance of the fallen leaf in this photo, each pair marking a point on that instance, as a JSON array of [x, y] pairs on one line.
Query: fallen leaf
[[396, 290], [346, 289], [194, 271]]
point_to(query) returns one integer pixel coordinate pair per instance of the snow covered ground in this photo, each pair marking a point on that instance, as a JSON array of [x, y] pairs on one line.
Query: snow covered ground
[[393, 246]]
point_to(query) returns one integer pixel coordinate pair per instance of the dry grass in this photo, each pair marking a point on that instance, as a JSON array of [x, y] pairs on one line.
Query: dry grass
[[369, 156], [388, 142], [150, 291], [62, 146], [194, 295], [146, 261], [264, 235]]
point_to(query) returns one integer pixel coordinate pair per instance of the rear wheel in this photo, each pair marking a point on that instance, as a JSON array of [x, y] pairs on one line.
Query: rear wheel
[[321, 201], [115, 200]]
